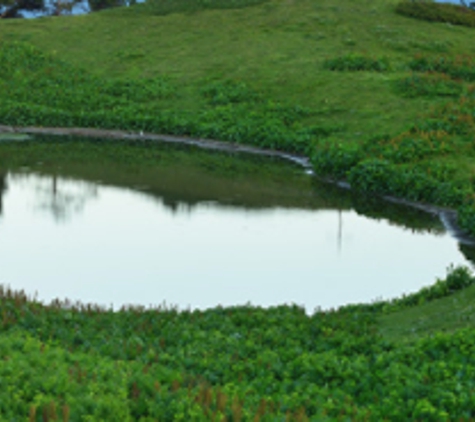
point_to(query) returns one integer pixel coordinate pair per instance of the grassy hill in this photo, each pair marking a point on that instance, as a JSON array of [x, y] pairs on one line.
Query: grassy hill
[[276, 48], [384, 101]]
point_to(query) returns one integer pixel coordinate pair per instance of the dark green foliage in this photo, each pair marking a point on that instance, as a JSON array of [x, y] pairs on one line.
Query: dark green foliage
[[466, 216], [357, 62], [242, 363], [384, 178], [336, 159], [374, 176], [437, 12]]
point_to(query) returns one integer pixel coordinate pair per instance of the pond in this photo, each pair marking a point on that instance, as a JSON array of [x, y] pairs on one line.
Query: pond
[[118, 224]]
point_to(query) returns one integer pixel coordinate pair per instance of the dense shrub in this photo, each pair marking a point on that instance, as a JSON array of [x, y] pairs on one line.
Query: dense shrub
[[239, 363], [437, 12], [375, 176], [334, 158], [466, 217], [385, 178]]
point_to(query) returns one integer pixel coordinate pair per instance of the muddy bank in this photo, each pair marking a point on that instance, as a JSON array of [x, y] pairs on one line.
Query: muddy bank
[[138, 136]]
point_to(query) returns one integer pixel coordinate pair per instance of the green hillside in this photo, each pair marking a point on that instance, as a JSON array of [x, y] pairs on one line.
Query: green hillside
[[382, 100]]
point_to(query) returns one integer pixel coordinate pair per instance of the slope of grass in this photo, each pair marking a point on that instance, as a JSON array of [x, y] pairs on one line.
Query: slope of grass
[[276, 47], [254, 74]]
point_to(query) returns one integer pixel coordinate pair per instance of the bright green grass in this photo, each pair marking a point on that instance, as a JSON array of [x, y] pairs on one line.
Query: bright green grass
[[277, 47]]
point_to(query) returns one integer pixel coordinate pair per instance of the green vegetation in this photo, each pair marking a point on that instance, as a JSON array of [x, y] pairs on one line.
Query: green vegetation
[[392, 113], [72, 362], [355, 62], [437, 12], [43, 91]]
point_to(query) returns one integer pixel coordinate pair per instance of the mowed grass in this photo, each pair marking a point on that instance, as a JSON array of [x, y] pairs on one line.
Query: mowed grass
[[277, 47]]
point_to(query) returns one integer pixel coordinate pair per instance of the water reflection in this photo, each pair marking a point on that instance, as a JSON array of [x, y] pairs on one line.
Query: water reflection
[[139, 223], [118, 245], [3, 188], [61, 197]]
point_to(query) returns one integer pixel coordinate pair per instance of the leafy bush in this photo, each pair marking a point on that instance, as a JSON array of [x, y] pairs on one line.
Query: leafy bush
[[375, 176], [335, 159], [356, 62], [385, 178], [437, 12]]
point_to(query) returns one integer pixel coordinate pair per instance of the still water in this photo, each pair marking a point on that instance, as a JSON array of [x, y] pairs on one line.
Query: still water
[[196, 239]]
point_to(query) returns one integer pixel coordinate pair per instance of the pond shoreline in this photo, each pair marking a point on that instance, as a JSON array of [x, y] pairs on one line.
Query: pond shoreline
[[447, 216], [144, 136]]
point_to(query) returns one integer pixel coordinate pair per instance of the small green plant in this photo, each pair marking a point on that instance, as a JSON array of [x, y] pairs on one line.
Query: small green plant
[[228, 91]]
